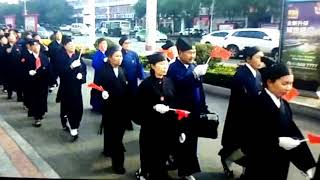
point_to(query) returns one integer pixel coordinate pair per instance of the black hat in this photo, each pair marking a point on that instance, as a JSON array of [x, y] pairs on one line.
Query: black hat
[[123, 39], [248, 52], [66, 40], [268, 61], [34, 34], [275, 71], [167, 45], [156, 57], [183, 44], [112, 50]]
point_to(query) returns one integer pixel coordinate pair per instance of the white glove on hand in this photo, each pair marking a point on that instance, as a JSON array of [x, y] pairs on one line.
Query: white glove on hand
[[310, 173], [182, 138], [105, 95], [200, 70], [161, 108], [288, 143], [75, 64], [79, 76], [32, 72]]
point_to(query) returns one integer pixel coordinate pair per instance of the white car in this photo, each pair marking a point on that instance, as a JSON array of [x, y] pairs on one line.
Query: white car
[[65, 27], [267, 40], [216, 38], [79, 28]]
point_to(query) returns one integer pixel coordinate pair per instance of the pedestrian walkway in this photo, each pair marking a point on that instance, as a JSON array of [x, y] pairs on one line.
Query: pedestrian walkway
[[18, 158]]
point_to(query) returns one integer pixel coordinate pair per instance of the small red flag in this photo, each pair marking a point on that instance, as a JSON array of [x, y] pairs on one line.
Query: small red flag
[[182, 113], [96, 87], [38, 63], [219, 52], [313, 138], [291, 94]]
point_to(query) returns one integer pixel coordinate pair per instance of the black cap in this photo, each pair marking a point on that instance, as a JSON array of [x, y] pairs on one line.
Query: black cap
[[268, 61], [112, 50], [183, 44], [275, 71], [167, 45], [248, 52], [123, 39], [156, 57], [66, 40], [32, 42]]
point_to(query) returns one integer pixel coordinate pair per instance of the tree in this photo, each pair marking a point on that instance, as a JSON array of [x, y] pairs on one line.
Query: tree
[[52, 12]]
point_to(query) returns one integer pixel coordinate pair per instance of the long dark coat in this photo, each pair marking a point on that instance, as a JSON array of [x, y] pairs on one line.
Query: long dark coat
[[157, 133], [14, 66], [189, 96], [265, 158], [114, 116], [244, 86], [70, 87], [37, 85]]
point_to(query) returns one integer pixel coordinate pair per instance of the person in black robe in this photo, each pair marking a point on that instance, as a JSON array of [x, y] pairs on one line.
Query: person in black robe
[[246, 84], [53, 50], [38, 68], [14, 66], [44, 49], [72, 73], [187, 79], [277, 140], [3, 70], [114, 117], [157, 134]]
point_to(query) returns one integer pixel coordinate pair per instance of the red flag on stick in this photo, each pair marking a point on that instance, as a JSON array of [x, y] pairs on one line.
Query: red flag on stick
[[291, 94], [96, 87], [313, 138], [219, 52], [181, 113]]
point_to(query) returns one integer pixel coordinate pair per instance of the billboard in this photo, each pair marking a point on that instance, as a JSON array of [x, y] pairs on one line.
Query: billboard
[[10, 21], [301, 39], [31, 22]]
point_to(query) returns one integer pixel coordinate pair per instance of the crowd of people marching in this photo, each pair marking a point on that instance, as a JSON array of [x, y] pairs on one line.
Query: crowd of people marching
[[31, 70]]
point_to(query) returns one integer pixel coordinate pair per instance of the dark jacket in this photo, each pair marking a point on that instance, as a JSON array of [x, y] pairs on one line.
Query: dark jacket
[[265, 158]]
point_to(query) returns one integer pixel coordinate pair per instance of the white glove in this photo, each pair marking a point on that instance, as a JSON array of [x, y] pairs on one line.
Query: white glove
[[200, 70], [105, 95], [105, 59], [161, 108], [182, 138], [288, 143], [79, 76], [32, 72], [310, 172], [75, 64]]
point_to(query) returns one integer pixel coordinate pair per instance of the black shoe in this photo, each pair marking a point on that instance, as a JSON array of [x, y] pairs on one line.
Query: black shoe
[[37, 123], [227, 171], [119, 170], [74, 138]]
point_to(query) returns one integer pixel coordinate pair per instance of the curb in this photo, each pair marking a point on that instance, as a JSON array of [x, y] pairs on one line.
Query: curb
[[34, 157], [297, 107]]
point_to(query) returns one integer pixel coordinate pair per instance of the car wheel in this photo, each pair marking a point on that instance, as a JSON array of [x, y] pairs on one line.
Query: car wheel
[[275, 54], [138, 38], [234, 50], [208, 43]]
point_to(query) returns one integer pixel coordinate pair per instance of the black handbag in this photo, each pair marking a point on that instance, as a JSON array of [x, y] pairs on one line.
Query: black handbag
[[207, 126]]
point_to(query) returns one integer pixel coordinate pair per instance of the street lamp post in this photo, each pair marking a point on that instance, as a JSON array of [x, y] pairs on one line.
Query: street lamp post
[[24, 7], [151, 25]]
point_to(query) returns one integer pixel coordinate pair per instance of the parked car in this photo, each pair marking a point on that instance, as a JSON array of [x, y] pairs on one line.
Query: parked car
[[266, 39], [43, 32], [65, 27], [192, 32], [160, 37], [215, 38], [79, 28]]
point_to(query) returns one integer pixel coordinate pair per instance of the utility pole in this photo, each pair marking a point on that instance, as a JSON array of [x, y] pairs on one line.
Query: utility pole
[[24, 7], [211, 15], [151, 25]]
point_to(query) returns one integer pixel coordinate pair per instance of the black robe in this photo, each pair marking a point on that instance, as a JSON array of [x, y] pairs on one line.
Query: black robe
[[70, 87], [37, 86], [114, 115], [3, 65], [157, 133], [265, 158], [244, 86]]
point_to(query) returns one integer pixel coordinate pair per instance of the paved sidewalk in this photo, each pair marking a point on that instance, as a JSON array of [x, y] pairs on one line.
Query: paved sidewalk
[[18, 158]]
